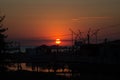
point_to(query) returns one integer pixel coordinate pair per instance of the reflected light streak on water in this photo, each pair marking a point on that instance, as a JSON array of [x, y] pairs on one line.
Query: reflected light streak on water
[[60, 71]]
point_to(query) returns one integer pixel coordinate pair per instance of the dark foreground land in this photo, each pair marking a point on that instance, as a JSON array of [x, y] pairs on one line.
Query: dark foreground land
[[92, 62], [27, 75], [109, 72]]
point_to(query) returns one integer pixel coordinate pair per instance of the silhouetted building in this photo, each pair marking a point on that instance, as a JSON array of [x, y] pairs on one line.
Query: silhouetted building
[[31, 51], [109, 53], [43, 50]]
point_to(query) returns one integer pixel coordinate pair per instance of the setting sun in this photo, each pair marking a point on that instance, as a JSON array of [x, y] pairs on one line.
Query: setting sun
[[57, 41]]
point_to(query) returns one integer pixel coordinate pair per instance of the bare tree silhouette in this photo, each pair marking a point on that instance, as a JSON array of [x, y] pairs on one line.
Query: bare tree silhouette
[[2, 43]]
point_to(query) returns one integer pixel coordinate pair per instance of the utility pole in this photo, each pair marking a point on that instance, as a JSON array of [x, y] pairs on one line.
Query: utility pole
[[96, 35], [81, 36], [72, 36], [88, 35], [76, 36]]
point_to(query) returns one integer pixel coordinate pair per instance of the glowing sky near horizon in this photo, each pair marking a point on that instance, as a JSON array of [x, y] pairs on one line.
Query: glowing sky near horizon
[[50, 19]]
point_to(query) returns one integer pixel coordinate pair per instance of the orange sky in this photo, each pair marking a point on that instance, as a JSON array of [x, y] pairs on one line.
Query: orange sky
[[51, 19]]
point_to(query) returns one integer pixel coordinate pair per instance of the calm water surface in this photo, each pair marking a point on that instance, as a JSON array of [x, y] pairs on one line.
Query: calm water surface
[[62, 70]]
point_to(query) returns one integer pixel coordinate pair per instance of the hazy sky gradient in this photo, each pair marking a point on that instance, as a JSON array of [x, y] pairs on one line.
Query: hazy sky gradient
[[49, 19]]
